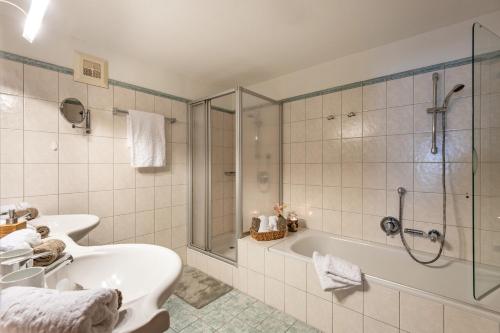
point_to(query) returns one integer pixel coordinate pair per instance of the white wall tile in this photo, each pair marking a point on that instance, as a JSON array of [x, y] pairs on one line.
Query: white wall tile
[[460, 321], [375, 326], [275, 293], [73, 178], [11, 146], [40, 83], [11, 111], [40, 147], [400, 92], [319, 313], [374, 96], [345, 320], [11, 81], [382, 303], [295, 302], [275, 265], [11, 181], [73, 148], [40, 179], [40, 115], [74, 203], [100, 98], [256, 281], [414, 308], [295, 273]]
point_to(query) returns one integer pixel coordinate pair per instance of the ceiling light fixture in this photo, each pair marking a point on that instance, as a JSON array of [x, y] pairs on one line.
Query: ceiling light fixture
[[34, 17]]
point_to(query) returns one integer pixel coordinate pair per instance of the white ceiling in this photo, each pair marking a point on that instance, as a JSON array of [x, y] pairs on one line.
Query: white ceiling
[[221, 42]]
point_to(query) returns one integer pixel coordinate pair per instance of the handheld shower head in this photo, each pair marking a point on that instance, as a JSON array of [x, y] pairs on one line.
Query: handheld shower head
[[455, 89]]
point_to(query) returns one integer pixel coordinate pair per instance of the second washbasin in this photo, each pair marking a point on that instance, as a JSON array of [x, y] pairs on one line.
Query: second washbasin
[[76, 226]]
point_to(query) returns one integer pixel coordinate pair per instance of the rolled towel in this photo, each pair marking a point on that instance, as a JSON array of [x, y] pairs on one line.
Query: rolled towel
[[264, 224], [273, 223], [53, 246], [335, 273], [30, 213], [28, 309], [20, 239], [43, 230]]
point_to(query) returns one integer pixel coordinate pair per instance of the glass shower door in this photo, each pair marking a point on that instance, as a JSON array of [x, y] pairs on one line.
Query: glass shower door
[[260, 156], [486, 160]]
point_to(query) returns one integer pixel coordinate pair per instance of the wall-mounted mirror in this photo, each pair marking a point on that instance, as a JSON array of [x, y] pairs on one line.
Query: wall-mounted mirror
[[75, 113]]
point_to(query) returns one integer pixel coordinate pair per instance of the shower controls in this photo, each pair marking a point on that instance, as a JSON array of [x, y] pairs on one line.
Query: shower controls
[[390, 225], [433, 235]]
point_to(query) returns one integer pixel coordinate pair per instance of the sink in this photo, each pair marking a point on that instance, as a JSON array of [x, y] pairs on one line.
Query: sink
[[75, 226], [145, 274]]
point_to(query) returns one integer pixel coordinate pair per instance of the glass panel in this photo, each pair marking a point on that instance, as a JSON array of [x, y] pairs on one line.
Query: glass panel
[[486, 163], [260, 154], [199, 174], [223, 150]]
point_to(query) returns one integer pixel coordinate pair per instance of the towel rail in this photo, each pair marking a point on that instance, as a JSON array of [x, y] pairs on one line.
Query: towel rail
[[121, 111]]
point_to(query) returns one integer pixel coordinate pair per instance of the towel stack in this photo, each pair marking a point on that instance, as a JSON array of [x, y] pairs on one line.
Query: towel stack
[[335, 273], [268, 223], [28, 309]]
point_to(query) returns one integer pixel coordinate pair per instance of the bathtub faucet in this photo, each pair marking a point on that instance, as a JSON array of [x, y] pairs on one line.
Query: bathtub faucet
[[433, 235]]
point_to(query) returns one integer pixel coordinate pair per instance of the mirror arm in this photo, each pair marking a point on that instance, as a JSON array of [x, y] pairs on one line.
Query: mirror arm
[[86, 116]]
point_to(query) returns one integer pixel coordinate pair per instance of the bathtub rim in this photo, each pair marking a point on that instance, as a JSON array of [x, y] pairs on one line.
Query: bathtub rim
[[283, 247]]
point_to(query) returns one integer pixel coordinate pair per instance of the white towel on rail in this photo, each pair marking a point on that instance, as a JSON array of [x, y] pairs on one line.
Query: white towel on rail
[[28, 309], [146, 139], [335, 273]]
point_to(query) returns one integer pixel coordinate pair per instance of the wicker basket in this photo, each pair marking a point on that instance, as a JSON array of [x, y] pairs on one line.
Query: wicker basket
[[269, 235]]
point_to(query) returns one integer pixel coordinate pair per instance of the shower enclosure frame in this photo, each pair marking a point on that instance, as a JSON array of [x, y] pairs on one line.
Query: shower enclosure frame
[[238, 91]]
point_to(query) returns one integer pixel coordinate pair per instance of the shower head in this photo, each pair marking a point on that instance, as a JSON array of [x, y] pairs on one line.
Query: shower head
[[455, 89]]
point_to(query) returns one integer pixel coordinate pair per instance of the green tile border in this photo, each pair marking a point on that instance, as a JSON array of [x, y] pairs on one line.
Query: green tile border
[[66, 70], [385, 78]]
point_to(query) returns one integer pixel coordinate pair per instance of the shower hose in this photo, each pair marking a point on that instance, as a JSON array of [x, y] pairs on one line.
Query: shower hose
[[443, 180]]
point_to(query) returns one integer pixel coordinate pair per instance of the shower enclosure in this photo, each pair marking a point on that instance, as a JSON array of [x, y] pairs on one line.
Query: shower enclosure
[[486, 160], [235, 158]]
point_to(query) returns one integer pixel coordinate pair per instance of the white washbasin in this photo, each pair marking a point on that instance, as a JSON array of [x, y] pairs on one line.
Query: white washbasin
[[145, 274], [75, 226]]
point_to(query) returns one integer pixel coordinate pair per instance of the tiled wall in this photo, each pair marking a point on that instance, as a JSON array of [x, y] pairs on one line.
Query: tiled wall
[[223, 162], [291, 285], [57, 169], [341, 175]]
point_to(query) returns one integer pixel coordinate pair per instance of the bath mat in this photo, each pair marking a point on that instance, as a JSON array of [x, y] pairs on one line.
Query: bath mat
[[199, 289]]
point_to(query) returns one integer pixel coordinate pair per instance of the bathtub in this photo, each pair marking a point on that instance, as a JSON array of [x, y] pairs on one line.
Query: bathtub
[[448, 278]]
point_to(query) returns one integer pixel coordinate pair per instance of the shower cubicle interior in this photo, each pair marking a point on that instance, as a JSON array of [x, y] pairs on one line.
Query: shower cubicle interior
[[235, 158]]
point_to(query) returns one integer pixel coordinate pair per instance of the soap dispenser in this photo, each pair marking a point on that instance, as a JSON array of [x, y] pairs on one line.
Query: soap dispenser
[[12, 223]]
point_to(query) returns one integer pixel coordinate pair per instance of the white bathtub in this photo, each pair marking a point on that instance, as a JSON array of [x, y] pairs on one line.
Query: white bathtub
[[448, 278]]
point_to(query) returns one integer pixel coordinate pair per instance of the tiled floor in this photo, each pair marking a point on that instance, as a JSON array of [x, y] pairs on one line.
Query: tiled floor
[[234, 312]]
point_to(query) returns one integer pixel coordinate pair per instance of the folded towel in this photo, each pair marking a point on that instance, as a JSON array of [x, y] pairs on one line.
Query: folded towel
[[54, 247], [28, 309], [264, 224], [43, 230], [335, 273], [273, 223], [20, 239], [146, 139]]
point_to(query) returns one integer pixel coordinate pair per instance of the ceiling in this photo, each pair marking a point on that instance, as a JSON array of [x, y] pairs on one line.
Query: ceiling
[[223, 42]]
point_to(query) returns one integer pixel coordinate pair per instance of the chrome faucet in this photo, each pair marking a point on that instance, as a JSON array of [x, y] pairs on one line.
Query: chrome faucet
[[18, 263], [13, 218]]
